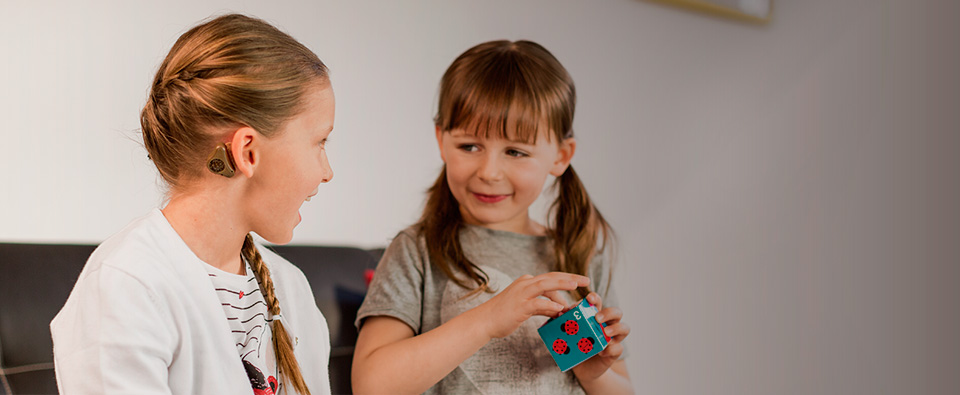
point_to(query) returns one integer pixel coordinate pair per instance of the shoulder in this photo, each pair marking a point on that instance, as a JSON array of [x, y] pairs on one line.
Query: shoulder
[[410, 236], [147, 250], [407, 247]]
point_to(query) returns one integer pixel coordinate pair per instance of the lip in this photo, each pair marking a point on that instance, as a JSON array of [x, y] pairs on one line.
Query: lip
[[489, 198]]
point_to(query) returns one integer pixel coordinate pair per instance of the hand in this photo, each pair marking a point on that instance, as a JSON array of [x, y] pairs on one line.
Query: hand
[[506, 311], [616, 330]]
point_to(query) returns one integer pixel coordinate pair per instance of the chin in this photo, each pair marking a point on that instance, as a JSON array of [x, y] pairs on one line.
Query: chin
[[279, 238]]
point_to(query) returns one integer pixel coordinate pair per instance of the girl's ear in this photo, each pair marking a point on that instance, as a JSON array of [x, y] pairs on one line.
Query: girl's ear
[[564, 155], [245, 148], [440, 143]]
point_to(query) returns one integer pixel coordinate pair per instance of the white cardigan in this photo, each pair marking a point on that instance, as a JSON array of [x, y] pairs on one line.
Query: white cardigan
[[144, 318]]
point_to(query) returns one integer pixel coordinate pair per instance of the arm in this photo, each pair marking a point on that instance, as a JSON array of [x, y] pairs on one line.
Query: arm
[[606, 373], [389, 358], [112, 337]]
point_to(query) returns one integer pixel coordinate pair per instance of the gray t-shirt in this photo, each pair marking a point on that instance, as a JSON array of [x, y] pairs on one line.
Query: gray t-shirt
[[407, 287]]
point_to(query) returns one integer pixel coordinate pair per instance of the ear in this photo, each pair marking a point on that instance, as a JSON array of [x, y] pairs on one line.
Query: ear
[[564, 155], [440, 143], [245, 148]]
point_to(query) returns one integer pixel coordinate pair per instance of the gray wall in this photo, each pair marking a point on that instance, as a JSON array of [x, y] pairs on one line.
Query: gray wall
[[785, 195]]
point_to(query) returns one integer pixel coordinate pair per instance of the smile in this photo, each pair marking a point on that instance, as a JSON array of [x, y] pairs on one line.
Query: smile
[[489, 198]]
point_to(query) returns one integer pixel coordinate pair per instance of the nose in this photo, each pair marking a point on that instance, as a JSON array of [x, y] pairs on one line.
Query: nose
[[326, 172], [490, 170]]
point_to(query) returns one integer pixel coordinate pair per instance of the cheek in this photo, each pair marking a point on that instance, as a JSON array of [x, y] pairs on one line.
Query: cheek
[[457, 173], [530, 179]]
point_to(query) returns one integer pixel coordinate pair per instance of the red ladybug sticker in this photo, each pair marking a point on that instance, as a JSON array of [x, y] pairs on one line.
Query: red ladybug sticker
[[560, 347], [571, 327], [585, 344]]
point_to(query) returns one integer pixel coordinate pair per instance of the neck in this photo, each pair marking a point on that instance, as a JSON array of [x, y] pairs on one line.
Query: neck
[[208, 224], [522, 224]]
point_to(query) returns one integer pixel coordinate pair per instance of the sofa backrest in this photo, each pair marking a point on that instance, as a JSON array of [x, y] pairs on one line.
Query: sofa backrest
[[35, 280]]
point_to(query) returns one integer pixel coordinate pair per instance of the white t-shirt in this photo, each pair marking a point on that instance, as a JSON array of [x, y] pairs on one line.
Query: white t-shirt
[[246, 312]]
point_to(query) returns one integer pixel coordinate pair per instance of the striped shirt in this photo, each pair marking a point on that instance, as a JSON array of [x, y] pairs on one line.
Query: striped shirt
[[249, 321]]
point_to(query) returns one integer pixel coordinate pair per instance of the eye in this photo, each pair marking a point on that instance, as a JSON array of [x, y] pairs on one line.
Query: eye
[[468, 147], [516, 153]]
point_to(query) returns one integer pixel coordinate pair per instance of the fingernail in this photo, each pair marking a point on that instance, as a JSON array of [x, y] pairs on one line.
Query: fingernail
[[608, 331], [599, 317], [574, 284]]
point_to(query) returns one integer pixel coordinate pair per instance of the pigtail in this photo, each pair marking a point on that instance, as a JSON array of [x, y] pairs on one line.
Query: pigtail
[[440, 226], [576, 228], [282, 346]]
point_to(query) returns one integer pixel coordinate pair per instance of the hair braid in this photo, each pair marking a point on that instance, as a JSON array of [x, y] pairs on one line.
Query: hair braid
[[282, 346]]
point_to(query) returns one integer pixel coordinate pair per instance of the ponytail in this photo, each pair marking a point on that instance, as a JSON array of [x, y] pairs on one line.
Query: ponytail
[[282, 346], [440, 226], [577, 227]]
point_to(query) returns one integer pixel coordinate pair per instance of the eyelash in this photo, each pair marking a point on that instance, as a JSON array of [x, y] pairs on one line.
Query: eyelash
[[511, 152]]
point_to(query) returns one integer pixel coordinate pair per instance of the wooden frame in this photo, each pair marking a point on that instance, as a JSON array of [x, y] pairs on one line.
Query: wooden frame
[[756, 11]]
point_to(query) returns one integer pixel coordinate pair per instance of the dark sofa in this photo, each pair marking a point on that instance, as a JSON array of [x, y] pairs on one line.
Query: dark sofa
[[35, 280]]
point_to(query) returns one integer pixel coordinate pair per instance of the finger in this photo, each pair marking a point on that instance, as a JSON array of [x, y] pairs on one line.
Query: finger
[[595, 300], [614, 350], [543, 285], [610, 315], [557, 296], [582, 281], [617, 332], [540, 306]]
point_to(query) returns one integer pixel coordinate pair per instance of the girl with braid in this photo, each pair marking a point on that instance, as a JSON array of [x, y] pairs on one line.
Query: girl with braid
[[457, 298], [183, 300]]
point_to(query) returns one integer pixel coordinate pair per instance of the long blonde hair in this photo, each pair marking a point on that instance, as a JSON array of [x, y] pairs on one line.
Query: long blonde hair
[[492, 88], [230, 71]]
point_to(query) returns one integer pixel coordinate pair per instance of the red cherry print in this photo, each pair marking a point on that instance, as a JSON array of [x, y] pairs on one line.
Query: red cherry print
[[585, 344], [571, 327], [560, 346]]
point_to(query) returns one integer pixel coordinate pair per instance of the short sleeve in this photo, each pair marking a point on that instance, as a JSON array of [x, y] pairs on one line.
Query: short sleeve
[[397, 286]]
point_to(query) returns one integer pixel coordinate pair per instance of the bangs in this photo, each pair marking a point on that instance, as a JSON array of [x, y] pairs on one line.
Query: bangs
[[505, 116], [496, 90]]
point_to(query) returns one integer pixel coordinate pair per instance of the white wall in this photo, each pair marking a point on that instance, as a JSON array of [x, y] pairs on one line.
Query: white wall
[[785, 194]]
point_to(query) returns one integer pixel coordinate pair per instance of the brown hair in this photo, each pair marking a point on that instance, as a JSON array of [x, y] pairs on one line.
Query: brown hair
[[230, 71], [498, 87]]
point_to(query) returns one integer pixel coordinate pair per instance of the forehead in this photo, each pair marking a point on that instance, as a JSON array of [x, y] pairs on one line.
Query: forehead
[[318, 110]]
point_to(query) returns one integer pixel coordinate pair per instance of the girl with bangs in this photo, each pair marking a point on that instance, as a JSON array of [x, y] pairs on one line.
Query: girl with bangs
[[457, 298]]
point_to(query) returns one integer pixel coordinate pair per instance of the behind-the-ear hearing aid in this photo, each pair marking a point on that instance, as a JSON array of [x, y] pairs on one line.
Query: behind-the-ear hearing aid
[[221, 161]]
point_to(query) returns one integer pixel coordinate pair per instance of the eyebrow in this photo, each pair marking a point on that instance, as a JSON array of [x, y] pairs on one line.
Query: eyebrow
[[464, 135]]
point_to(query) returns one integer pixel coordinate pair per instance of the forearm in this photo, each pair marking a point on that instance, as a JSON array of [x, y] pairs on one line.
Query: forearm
[[414, 364], [614, 381]]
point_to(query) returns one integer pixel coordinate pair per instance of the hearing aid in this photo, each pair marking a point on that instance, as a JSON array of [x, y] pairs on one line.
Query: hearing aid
[[221, 162]]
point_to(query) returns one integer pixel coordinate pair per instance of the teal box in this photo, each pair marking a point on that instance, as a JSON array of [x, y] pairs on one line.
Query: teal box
[[575, 336]]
